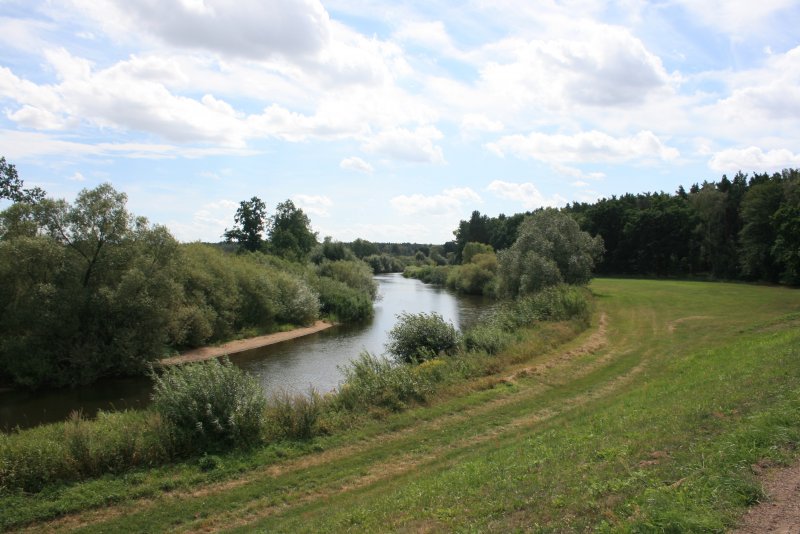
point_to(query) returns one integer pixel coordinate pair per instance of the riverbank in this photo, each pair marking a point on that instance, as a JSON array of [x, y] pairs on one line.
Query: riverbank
[[649, 420], [241, 345]]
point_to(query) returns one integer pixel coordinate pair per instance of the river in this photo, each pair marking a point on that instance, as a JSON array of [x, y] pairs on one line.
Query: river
[[295, 365]]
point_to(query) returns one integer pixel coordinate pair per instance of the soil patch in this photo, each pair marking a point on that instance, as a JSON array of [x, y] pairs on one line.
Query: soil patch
[[781, 512]]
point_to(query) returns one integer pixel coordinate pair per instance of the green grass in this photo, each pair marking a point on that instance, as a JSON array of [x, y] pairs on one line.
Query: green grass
[[653, 426]]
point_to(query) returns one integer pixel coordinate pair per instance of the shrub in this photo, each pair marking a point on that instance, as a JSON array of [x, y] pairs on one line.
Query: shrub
[[372, 381], [420, 336], [355, 274], [210, 405], [430, 274], [299, 304], [471, 279], [344, 302], [384, 263], [472, 249], [487, 337], [557, 303], [294, 416]]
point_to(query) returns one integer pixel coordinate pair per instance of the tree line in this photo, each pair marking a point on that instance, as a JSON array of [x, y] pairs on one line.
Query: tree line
[[745, 228], [88, 289]]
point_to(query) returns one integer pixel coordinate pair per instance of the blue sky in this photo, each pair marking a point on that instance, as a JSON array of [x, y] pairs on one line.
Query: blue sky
[[391, 121]]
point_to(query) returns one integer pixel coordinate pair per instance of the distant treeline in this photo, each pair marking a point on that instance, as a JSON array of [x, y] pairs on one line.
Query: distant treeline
[[745, 228]]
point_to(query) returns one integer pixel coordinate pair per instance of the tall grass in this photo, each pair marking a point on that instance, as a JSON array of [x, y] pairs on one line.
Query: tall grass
[[372, 381], [78, 448], [294, 416]]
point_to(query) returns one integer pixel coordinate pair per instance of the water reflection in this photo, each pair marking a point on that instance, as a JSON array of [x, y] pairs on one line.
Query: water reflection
[[315, 360]]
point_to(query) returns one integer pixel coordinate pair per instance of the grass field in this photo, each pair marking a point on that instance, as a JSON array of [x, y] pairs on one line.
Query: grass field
[[656, 419]]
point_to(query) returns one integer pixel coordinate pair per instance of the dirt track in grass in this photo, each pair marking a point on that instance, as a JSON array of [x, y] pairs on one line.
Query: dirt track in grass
[[780, 512]]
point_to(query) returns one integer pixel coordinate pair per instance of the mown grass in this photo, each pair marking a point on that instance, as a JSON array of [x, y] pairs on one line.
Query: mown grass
[[656, 427]]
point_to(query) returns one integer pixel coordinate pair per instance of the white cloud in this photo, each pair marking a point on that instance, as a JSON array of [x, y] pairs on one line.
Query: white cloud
[[584, 147], [596, 66], [448, 202], [124, 96], [406, 145], [429, 34], [36, 118], [587, 195], [77, 177], [736, 17], [525, 193], [28, 145], [132, 96], [356, 164], [277, 121], [352, 59], [574, 172], [313, 204], [28, 93], [463, 193], [770, 93], [753, 159], [475, 122], [248, 28]]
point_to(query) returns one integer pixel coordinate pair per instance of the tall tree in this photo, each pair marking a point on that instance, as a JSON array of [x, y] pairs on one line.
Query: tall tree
[[251, 220], [473, 231], [786, 221], [715, 249], [759, 231], [290, 232]]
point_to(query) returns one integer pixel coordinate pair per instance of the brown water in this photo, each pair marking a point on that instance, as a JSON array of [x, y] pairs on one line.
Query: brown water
[[295, 365]]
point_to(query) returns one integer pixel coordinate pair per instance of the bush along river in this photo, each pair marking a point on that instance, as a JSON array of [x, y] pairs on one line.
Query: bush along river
[[295, 365]]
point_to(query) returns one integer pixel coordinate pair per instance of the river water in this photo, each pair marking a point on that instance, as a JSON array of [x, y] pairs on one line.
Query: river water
[[295, 365]]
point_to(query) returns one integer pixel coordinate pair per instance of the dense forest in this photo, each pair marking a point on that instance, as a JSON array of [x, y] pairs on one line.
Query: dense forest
[[747, 228]]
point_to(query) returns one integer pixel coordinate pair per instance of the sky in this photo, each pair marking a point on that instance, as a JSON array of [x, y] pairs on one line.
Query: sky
[[392, 121]]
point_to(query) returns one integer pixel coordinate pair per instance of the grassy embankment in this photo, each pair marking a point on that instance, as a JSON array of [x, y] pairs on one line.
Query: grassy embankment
[[652, 420]]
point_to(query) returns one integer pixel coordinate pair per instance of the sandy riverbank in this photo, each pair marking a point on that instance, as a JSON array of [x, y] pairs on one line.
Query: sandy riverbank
[[241, 345]]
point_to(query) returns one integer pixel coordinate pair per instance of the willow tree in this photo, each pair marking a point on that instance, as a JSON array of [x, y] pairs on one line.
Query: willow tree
[[86, 289], [550, 249]]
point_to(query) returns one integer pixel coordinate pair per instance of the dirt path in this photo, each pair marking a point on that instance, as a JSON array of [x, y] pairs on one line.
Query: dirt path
[[241, 345], [781, 512]]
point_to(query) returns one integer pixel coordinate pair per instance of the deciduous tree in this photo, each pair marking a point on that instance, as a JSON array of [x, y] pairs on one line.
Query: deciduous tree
[[550, 249], [11, 185], [290, 232], [251, 220]]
